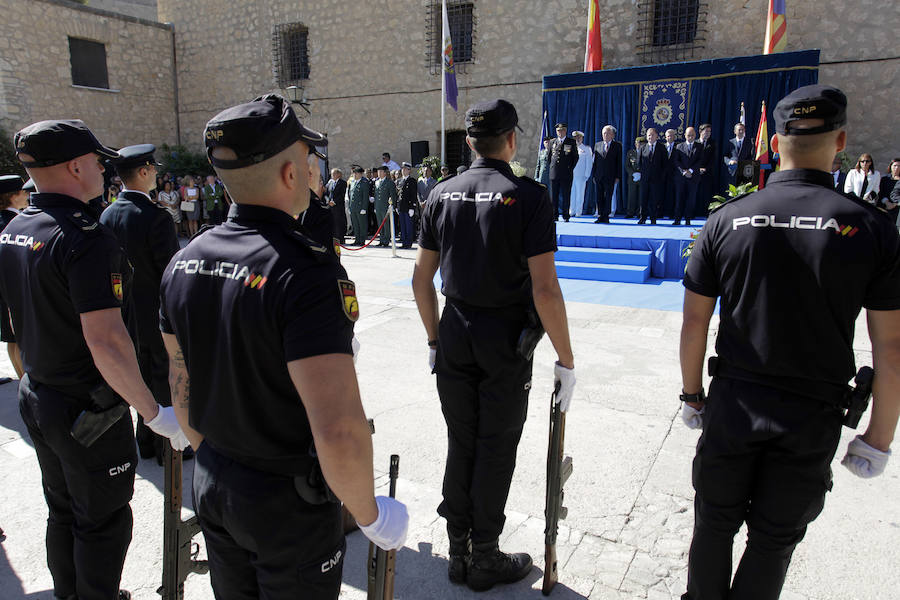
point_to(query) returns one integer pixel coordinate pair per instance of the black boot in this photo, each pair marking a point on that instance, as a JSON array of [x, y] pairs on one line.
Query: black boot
[[490, 566], [460, 555]]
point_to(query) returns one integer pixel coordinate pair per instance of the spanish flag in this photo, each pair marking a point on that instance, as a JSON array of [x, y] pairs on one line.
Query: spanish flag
[[762, 146], [593, 51], [776, 28]]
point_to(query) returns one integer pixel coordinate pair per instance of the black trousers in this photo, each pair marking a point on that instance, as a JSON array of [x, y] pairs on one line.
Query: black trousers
[[87, 492], [651, 197], [560, 194], [483, 385], [686, 197], [154, 364], [764, 458], [263, 541], [605, 188]]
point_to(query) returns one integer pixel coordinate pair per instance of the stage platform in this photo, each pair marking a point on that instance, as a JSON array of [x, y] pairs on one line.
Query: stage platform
[[622, 251]]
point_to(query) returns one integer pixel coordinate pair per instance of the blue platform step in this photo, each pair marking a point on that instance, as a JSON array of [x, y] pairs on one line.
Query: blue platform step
[[603, 264], [603, 272]]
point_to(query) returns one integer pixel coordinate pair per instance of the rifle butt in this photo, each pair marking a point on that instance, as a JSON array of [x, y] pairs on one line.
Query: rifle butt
[[551, 576], [390, 561]]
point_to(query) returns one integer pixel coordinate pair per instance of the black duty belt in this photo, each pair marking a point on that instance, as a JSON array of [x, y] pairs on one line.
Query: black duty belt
[[829, 393]]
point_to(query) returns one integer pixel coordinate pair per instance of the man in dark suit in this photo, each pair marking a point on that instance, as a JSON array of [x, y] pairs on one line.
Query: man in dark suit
[[707, 168], [335, 193], [563, 156], [839, 176], [606, 172], [653, 176], [739, 148], [687, 176], [667, 206]]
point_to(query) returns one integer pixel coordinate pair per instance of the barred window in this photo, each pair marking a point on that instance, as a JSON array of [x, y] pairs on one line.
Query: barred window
[[88, 59], [458, 151], [290, 53], [461, 15], [670, 30]]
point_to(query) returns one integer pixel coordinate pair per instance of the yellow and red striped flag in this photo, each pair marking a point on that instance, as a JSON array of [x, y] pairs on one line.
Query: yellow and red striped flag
[[593, 50], [762, 146], [776, 28]]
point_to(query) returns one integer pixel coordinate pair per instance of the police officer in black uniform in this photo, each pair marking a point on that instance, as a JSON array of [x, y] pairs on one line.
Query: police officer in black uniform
[[64, 278], [493, 236], [145, 233], [258, 319], [13, 198], [793, 264]]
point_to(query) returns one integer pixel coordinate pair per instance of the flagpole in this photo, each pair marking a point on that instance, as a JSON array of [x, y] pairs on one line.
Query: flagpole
[[443, 89]]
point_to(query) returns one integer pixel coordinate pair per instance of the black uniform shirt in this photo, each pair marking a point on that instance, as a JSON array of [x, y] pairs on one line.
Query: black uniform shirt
[[793, 264], [56, 262], [486, 223], [146, 234], [243, 299]]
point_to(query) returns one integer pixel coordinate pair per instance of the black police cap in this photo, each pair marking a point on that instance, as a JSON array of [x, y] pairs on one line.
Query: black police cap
[[258, 130], [10, 183], [563, 125], [358, 169], [491, 118], [53, 142], [136, 156], [811, 102]]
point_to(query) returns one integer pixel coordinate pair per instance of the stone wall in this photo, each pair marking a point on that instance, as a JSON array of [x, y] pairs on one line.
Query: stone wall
[[36, 77], [371, 92], [142, 9]]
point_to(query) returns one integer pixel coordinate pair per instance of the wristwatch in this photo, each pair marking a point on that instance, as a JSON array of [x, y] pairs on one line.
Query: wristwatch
[[432, 343], [698, 397]]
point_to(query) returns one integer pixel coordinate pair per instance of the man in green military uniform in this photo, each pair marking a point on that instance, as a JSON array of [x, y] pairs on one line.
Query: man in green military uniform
[[385, 192], [358, 193], [213, 194]]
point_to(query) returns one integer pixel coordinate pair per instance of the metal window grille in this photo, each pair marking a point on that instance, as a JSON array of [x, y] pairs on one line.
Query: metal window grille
[[462, 33], [88, 61], [671, 30], [458, 151], [290, 53]]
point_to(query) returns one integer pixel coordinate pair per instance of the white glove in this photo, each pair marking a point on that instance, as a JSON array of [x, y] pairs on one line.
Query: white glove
[[179, 441], [388, 531], [354, 345], [412, 212], [863, 460], [691, 416], [432, 357], [566, 379], [165, 423], [635, 177]]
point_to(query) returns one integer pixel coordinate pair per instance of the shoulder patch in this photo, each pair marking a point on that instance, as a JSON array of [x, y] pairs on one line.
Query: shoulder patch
[[348, 299], [337, 246], [116, 281], [84, 221]]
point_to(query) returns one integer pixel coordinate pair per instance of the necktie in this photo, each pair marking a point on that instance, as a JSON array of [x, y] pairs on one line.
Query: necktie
[[605, 147]]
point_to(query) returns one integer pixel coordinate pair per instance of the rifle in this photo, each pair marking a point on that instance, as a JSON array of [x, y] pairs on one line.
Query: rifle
[[559, 469], [381, 563], [179, 552]]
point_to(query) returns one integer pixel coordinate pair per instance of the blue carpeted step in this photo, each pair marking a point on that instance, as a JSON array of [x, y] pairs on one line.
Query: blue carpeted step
[[602, 272], [609, 256]]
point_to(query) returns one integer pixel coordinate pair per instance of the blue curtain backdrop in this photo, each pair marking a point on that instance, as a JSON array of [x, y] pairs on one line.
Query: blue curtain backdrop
[[716, 88]]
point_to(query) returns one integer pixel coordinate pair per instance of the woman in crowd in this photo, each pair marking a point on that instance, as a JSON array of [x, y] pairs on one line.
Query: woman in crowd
[[886, 187], [190, 194], [863, 180], [171, 201]]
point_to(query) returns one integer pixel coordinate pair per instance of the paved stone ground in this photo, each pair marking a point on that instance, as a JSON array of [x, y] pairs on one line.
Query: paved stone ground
[[629, 498]]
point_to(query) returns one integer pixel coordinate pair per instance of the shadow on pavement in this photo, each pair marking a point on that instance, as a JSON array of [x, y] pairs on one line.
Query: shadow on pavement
[[9, 410], [422, 574], [11, 586]]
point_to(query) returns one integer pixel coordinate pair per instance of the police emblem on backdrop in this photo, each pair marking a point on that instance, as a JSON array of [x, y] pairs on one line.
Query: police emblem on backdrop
[[664, 106], [348, 299], [116, 280]]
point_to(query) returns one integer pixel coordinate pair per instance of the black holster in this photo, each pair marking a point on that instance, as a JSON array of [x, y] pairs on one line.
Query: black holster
[[531, 335], [856, 401], [312, 487], [105, 411]]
